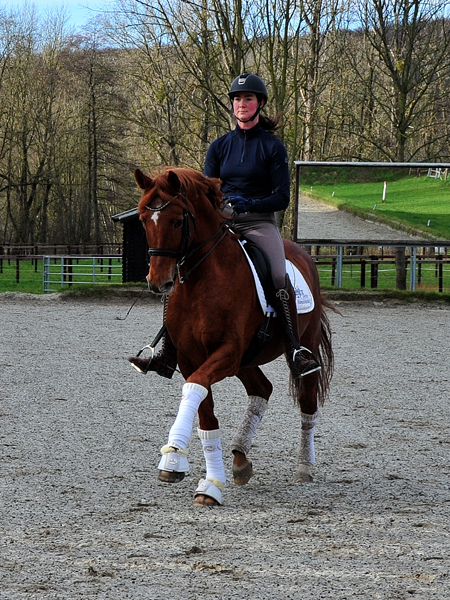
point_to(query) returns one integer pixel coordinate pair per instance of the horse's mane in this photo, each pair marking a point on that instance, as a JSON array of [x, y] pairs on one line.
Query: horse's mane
[[192, 183]]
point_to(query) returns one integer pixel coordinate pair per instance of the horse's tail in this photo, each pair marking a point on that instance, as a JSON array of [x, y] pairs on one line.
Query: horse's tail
[[324, 355]]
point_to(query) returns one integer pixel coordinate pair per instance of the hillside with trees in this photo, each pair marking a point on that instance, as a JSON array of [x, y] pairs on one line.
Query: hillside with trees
[[145, 84]]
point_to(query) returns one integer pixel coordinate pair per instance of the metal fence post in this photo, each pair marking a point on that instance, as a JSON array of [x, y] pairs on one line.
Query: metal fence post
[[44, 274], [62, 271], [339, 251], [412, 269], [439, 260]]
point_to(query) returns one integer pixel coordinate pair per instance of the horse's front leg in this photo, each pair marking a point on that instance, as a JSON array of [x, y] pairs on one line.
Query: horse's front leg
[[222, 363], [197, 397], [174, 464], [210, 488], [219, 365]]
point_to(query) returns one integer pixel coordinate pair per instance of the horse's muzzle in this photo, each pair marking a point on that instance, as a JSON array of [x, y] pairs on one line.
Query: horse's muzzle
[[162, 275], [164, 288]]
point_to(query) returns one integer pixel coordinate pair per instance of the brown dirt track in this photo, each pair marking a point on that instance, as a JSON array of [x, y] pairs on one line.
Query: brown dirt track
[[83, 515]]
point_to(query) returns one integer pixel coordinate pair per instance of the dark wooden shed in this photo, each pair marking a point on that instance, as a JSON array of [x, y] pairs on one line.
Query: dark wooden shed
[[135, 247]]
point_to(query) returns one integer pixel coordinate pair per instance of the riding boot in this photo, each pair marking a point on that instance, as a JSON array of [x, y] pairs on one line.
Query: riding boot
[[164, 363], [286, 309]]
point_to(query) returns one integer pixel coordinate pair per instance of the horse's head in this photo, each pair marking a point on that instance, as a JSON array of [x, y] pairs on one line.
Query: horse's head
[[169, 219]]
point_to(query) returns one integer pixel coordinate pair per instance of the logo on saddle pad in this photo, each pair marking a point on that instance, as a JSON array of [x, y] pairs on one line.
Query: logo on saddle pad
[[303, 296]]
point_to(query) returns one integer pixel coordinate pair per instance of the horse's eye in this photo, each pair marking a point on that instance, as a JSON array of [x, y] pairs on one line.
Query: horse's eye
[[178, 224]]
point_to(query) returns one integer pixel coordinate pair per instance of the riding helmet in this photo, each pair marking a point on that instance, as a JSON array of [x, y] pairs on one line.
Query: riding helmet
[[247, 82]]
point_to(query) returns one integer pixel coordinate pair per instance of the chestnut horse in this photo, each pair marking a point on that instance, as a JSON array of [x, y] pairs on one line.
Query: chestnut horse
[[213, 314]]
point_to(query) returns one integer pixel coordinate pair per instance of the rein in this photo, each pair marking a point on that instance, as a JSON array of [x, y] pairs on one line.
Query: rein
[[182, 254], [188, 255]]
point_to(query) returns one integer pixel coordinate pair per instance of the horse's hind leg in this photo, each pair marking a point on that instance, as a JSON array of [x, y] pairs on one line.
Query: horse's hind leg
[[309, 414], [258, 389]]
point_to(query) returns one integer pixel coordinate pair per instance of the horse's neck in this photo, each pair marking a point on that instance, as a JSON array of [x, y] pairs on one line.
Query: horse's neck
[[223, 263]]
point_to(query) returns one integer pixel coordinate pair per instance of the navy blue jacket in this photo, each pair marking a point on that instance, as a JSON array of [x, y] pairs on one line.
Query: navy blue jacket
[[251, 163]]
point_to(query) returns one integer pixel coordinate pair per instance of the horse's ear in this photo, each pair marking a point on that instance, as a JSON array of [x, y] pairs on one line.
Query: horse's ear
[[173, 181], [143, 182]]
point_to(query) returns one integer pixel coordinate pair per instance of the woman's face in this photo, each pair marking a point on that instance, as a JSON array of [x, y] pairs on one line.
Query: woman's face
[[245, 104]]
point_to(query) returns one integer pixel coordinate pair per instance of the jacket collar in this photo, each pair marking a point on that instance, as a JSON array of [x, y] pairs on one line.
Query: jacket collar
[[248, 132]]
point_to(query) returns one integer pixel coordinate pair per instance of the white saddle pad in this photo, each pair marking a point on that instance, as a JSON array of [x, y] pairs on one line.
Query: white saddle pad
[[303, 295]]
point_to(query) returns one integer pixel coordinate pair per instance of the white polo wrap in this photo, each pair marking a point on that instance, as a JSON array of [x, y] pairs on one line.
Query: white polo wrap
[[180, 433], [212, 451]]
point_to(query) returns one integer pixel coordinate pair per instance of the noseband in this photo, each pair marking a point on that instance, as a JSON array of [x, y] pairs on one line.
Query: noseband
[[182, 254]]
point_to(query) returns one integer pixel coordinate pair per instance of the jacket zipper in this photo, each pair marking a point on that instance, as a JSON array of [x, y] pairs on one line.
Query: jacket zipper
[[243, 147]]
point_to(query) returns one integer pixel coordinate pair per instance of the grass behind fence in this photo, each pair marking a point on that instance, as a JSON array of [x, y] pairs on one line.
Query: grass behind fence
[[31, 275], [386, 280], [31, 278]]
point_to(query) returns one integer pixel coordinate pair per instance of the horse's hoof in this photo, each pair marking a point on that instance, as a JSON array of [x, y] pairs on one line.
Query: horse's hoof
[[201, 500], [171, 476], [208, 493], [242, 475], [303, 475]]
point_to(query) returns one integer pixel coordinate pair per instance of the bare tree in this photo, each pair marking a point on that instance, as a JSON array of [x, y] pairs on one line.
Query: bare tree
[[321, 18], [77, 113], [28, 98], [182, 54], [94, 175], [411, 53]]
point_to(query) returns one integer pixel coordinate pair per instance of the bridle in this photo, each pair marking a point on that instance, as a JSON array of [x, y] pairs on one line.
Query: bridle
[[185, 231], [184, 252]]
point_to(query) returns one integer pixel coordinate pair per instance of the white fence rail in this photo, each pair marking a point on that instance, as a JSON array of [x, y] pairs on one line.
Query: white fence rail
[[64, 271]]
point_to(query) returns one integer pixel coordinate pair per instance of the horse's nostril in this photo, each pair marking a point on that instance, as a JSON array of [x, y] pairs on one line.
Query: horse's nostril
[[166, 287]]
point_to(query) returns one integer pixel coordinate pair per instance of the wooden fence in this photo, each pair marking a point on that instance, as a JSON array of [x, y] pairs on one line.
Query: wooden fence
[[426, 263], [59, 249], [349, 265]]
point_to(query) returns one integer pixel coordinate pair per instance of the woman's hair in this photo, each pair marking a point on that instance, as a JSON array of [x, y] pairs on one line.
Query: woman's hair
[[270, 124]]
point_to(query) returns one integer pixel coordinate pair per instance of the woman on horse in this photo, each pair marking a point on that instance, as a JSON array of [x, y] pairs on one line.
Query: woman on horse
[[252, 164]]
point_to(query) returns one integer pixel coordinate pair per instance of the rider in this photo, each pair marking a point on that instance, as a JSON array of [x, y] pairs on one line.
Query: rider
[[252, 164]]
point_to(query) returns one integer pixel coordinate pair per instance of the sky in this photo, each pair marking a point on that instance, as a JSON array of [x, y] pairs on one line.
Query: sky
[[80, 11]]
